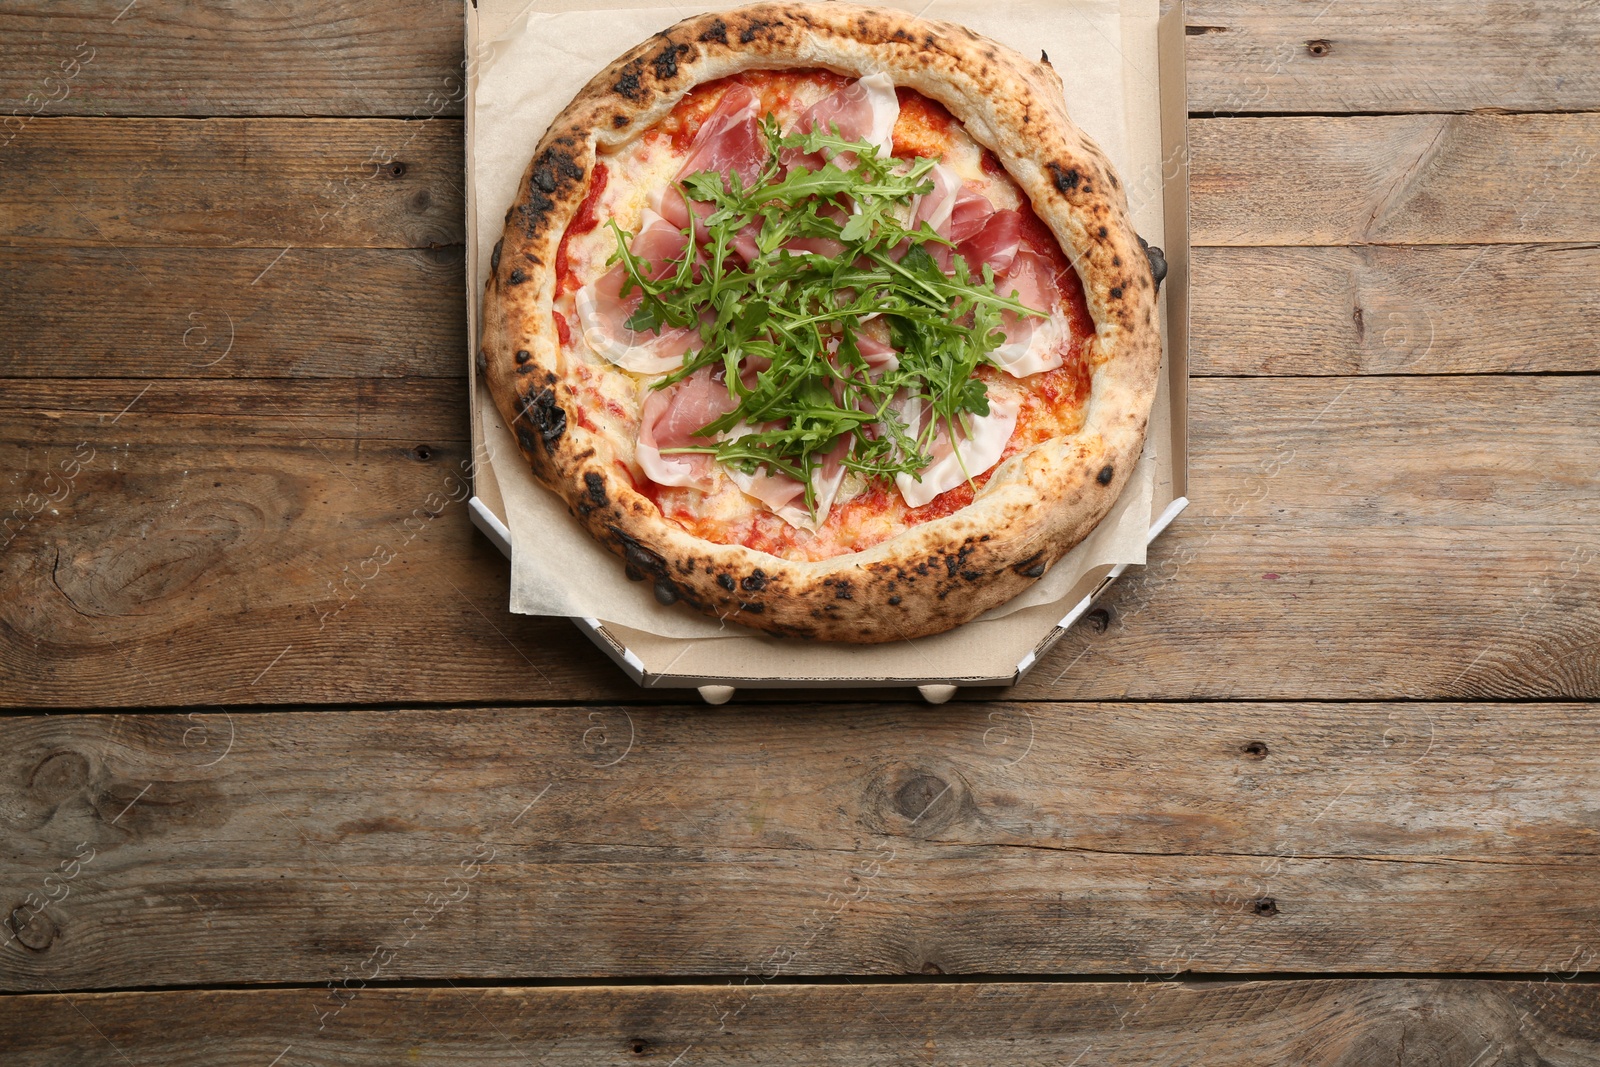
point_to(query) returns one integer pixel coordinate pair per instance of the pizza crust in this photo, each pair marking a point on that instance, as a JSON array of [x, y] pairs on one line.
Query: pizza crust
[[1037, 505]]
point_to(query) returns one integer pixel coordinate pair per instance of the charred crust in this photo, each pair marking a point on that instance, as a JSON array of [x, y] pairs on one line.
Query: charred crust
[[539, 410], [666, 62], [1032, 567], [1103, 233], [618, 121], [665, 591], [1105, 475], [1116, 292], [595, 486], [751, 609], [894, 602], [555, 172], [517, 276], [727, 582], [754, 582], [494, 257], [717, 32], [758, 27], [481, 361], [1065, 179], [956, 561], [523, 355], [628, 84], [636, 555], [971, 576], [1158, 261]]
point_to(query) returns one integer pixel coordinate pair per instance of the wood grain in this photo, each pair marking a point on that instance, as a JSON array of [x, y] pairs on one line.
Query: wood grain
[[798, 840], [1319, 1023], [1394, 179], [1390, 310], [234, 183], [1377, 538], [250, 541], [1371, 55], [233, 313], [246, 57]]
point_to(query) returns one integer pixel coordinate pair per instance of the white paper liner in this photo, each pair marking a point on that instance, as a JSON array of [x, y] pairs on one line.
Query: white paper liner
[[528, 74]]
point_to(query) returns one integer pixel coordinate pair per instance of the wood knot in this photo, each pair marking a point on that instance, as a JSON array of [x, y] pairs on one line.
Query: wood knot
[[1256, 750], [34, 930], [396, 169], [1264, 906], [917, 796], [59, 774], [423, 453], [1319, 47], [1099, 620]]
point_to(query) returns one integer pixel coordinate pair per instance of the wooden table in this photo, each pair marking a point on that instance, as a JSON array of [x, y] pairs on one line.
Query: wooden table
[[286, 784]]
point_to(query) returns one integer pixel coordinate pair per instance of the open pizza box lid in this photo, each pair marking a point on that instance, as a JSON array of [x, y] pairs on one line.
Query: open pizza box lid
[[1129, 49]]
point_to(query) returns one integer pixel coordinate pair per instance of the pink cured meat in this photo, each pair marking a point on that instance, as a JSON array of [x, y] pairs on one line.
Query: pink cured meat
[[670, 418], [603, 311], [1032, 344], [730, 141], [995, 244], [864, 110]]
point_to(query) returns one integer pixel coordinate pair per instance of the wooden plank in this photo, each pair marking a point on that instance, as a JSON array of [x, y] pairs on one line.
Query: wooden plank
[[1397, 179], [1340, 528], [1388, 310], [152, 850], [234, 183], [1369, 55], [213, 312], [250, 540], [1255, 1024], [255, 57]]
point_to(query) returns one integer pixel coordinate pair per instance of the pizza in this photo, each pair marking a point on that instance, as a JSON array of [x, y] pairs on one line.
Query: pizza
[[825, 319]]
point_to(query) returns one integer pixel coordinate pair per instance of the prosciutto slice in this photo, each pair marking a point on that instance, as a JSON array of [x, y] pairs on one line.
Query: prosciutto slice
[[730, 141], [979, 442], [603, 311], [670, 418], [1032, 344], [864, 110], [785, 496]]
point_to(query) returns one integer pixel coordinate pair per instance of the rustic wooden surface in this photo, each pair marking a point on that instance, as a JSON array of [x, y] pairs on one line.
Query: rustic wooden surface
[[1318, 1023], [282, 778]]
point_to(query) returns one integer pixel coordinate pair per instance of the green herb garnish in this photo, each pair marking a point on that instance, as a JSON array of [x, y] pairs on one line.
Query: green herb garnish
[[802, 313]]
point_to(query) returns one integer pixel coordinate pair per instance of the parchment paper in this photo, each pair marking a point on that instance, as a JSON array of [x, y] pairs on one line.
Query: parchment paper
[[527, 75]]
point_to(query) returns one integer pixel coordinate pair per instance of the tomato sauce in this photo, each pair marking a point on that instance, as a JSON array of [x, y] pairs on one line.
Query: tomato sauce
[[583, 222], [776, 90], [923, 128]]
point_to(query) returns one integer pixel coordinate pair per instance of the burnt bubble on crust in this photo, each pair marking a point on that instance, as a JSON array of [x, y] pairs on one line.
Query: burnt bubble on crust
[[1105, 475], [1158, 261], [1065, 178], [666, 62], [595, 486], [540, 410]]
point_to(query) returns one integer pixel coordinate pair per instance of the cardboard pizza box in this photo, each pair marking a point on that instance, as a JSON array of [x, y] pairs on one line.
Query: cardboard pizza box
[[987, 651]]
